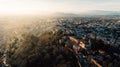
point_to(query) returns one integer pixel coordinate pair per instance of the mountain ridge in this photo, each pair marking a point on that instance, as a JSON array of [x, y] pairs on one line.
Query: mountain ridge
[[88, 13]]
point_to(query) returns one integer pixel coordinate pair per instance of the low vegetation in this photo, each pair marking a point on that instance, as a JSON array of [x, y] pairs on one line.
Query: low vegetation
[[43, 50]]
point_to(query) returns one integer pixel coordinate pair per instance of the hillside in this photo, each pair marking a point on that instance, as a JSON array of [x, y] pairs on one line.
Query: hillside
[[62, 42]]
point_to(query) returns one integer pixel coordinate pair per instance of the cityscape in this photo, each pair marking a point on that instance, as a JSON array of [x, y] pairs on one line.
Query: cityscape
[[59, 33]]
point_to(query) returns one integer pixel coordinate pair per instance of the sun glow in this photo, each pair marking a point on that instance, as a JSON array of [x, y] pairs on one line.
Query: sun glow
[[51, 6], [25, 8]]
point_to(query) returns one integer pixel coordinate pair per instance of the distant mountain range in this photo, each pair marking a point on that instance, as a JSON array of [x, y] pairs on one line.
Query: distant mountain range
[[62, 14], [90, 13]]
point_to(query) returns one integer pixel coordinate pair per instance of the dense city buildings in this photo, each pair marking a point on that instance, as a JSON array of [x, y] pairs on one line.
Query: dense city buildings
[[63, 42]]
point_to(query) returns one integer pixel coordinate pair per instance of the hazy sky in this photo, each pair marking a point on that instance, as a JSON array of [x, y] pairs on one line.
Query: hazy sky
[[66, 6]]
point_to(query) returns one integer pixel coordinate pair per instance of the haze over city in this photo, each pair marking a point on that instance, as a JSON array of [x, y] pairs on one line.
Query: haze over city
[[59, 33]]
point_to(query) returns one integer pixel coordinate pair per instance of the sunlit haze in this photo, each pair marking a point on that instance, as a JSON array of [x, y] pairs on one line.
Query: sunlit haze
[[51, 6]]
